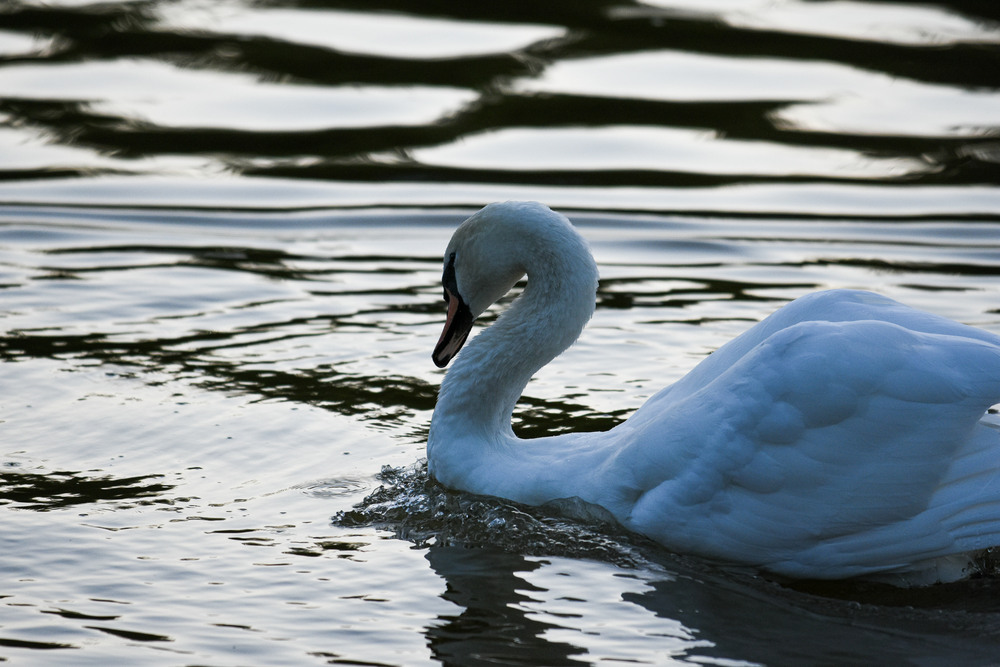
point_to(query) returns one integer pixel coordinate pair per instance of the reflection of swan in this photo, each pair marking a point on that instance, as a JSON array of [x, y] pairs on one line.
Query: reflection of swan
[[493, 626], [841, 436]]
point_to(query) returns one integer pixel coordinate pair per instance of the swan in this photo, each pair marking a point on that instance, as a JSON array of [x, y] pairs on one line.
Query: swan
[[845, 435]]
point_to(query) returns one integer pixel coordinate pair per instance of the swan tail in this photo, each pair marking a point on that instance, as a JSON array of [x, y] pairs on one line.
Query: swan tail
[[939, 544], [969, 495]]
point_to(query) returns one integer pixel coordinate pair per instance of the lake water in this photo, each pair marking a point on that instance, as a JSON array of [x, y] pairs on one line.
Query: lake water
[[221, 228]]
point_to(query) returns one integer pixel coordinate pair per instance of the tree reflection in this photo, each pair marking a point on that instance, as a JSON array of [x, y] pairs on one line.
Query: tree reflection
[[60, 489], [593, 29]]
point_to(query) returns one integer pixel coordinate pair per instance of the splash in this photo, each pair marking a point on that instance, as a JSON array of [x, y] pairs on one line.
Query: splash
[[415, 507]]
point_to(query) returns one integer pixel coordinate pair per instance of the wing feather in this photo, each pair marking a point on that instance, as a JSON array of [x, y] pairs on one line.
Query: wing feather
[[845, 445]]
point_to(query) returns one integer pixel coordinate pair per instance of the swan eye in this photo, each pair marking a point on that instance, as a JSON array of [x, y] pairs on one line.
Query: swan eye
[[448, 279]]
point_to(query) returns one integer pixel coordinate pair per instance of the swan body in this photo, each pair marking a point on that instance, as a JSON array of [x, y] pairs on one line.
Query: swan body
[[844, 435]]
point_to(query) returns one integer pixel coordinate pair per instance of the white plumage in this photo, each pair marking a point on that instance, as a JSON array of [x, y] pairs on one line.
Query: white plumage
[[844, 435]]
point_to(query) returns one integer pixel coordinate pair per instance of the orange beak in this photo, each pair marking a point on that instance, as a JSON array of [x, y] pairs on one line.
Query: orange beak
[[456, 330]]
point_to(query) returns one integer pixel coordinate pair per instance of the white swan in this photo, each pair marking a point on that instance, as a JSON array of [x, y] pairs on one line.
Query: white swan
[[844, 435]]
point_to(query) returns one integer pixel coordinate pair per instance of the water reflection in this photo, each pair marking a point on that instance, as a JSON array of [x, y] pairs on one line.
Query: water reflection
[[24, 151], [60, 489], [909, 111], [386, 34], [692, 152], [387, 399], [17, 44], [895, 23], [531, 611], [268, 363], [139, 92], [684, 76], [354, 92], [789, 628], [492, 626], [587, 592]]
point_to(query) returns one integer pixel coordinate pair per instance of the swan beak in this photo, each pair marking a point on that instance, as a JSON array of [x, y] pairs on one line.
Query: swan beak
[[456, 330]]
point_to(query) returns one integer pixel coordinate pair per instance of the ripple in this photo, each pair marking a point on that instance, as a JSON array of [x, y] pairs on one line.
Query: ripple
[[221, 226], [141, 90], [880, 22], [380, 33], [617, 148], [17, 44], [336, 487], [670, 75]]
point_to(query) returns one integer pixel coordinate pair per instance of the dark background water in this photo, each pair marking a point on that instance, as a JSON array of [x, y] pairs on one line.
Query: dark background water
[[593, 94], [220, 235]]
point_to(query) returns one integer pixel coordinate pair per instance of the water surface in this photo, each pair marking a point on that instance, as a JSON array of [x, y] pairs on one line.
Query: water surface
[[220, 236]]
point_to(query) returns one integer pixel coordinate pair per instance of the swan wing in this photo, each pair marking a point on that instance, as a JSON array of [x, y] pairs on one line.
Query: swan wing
[[840, 305], [828, 449]]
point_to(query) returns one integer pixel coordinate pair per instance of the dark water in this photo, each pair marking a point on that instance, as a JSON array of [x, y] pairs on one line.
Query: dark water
[[220, 235]]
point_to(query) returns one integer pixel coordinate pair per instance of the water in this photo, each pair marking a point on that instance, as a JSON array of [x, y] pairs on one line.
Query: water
[[220, 236]]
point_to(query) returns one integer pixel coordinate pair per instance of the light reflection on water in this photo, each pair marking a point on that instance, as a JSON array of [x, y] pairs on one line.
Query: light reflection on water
[[388, 34], [915, 25], [167, 96], [16, 44], [220, 238], [617, 148], [826, 96]]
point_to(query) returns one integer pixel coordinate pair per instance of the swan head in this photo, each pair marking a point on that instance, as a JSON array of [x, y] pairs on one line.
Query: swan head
[[481, 264], [492, 250]]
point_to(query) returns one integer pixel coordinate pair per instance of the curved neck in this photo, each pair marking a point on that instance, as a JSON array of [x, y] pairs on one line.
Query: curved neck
[[478, 394]]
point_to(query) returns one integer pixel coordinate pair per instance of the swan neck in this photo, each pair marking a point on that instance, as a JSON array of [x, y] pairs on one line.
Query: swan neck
[[478, 394]]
